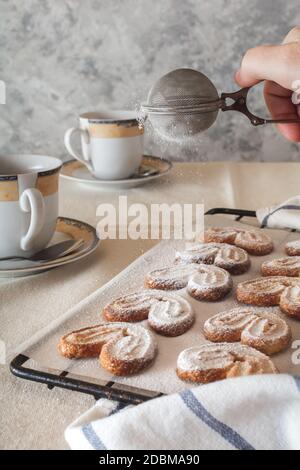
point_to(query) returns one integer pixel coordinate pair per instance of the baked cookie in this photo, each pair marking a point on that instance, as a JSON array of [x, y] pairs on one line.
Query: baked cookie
[[88, 342], [221, 234], [287, 266], [131, 352], [171, 315], [132, 307], [210, 362], [203, 282], [293, 248], [275, 290], [255, 242], [168, 314], [290, 301], [172, 277], [229, 257], [257, 328], [209, 283], [124, 348]]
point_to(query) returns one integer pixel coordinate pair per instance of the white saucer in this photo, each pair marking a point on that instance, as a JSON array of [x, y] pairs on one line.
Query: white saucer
[[66, 229], [76, 171]]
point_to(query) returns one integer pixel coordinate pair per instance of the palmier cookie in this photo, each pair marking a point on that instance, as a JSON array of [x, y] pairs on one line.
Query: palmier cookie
[[171, 315], [211, 362], [167, 313], [293, 248], [290, 301], [203, 282], [232, 258], [257, 328], [133, 351], [275, 290], [209, 283], [287, 266], [255, 242], [221, 234], [172, 277], [124, 348]]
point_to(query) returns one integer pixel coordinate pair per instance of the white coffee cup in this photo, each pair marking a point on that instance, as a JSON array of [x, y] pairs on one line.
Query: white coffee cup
[[28, 203], [111, 142]]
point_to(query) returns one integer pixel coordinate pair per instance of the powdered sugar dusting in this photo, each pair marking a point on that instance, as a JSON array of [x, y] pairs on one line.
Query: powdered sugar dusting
[[287, 266], [210, 253], [209, 277], [172, 277], [136, 342], [294, 244], [248, 323], [253, 236], [244, 238], [222, 356], [272, 284], [95, 334], [171, 313], [292, 294], [161, 376], [135, 302]]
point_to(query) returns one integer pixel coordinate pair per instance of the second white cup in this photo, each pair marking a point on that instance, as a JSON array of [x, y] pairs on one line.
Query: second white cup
[[111, 142]]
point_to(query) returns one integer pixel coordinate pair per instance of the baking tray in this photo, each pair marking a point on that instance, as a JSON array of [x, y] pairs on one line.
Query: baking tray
[[25, 367]]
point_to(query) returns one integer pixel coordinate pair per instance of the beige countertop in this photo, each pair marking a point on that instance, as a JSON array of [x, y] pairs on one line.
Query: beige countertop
[[31, 416]]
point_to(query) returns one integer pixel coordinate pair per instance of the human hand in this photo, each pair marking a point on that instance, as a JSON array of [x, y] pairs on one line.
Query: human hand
[[279, 67]]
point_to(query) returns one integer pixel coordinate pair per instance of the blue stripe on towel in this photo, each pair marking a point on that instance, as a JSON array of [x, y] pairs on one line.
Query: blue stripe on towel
[[92, 437], [120, 406], [225, 431], [288, 206], [297, 380]]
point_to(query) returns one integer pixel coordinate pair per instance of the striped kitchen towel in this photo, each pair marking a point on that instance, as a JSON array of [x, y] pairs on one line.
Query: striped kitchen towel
[[255, 412], [284, 215]]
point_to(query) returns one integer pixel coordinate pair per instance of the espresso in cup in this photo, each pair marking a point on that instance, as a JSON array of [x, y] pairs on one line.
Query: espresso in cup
[[111, 143], [28, 203]]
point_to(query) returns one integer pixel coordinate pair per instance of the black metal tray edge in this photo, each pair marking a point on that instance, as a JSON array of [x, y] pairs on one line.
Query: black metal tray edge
[[62, 380]]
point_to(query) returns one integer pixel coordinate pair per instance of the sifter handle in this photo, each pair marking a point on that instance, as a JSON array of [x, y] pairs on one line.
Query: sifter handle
[[240, 104]]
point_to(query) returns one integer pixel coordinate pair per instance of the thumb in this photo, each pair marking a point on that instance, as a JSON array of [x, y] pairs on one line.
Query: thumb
[[264, 63], [280, 63], [292, 36]]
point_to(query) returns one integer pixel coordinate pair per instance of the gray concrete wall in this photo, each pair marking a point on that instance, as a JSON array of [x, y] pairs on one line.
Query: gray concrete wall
[[62, 57]]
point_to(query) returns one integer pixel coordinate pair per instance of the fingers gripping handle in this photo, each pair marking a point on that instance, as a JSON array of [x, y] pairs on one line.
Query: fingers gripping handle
[[67, 140], [32, 201], [239, 104]]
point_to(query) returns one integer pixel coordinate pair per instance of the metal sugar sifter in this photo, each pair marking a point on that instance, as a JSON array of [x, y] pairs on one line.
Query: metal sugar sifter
[[185, 102]]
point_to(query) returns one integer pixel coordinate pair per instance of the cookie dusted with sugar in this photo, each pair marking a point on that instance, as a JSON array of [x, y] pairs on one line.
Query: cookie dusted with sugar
[[172, 277], [273, 290], [124, 348], [168, 314], [203, 282], [255, 242], [171, 316], [88, 341], [258, 328], [234, 259], [290, 301], [221, 234], [293, 248], [287, 266], [130, 352], [210, 362], [132, 307], [209, 283]]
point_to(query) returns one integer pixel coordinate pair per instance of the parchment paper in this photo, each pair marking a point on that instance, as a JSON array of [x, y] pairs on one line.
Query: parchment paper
[[161, 376]]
